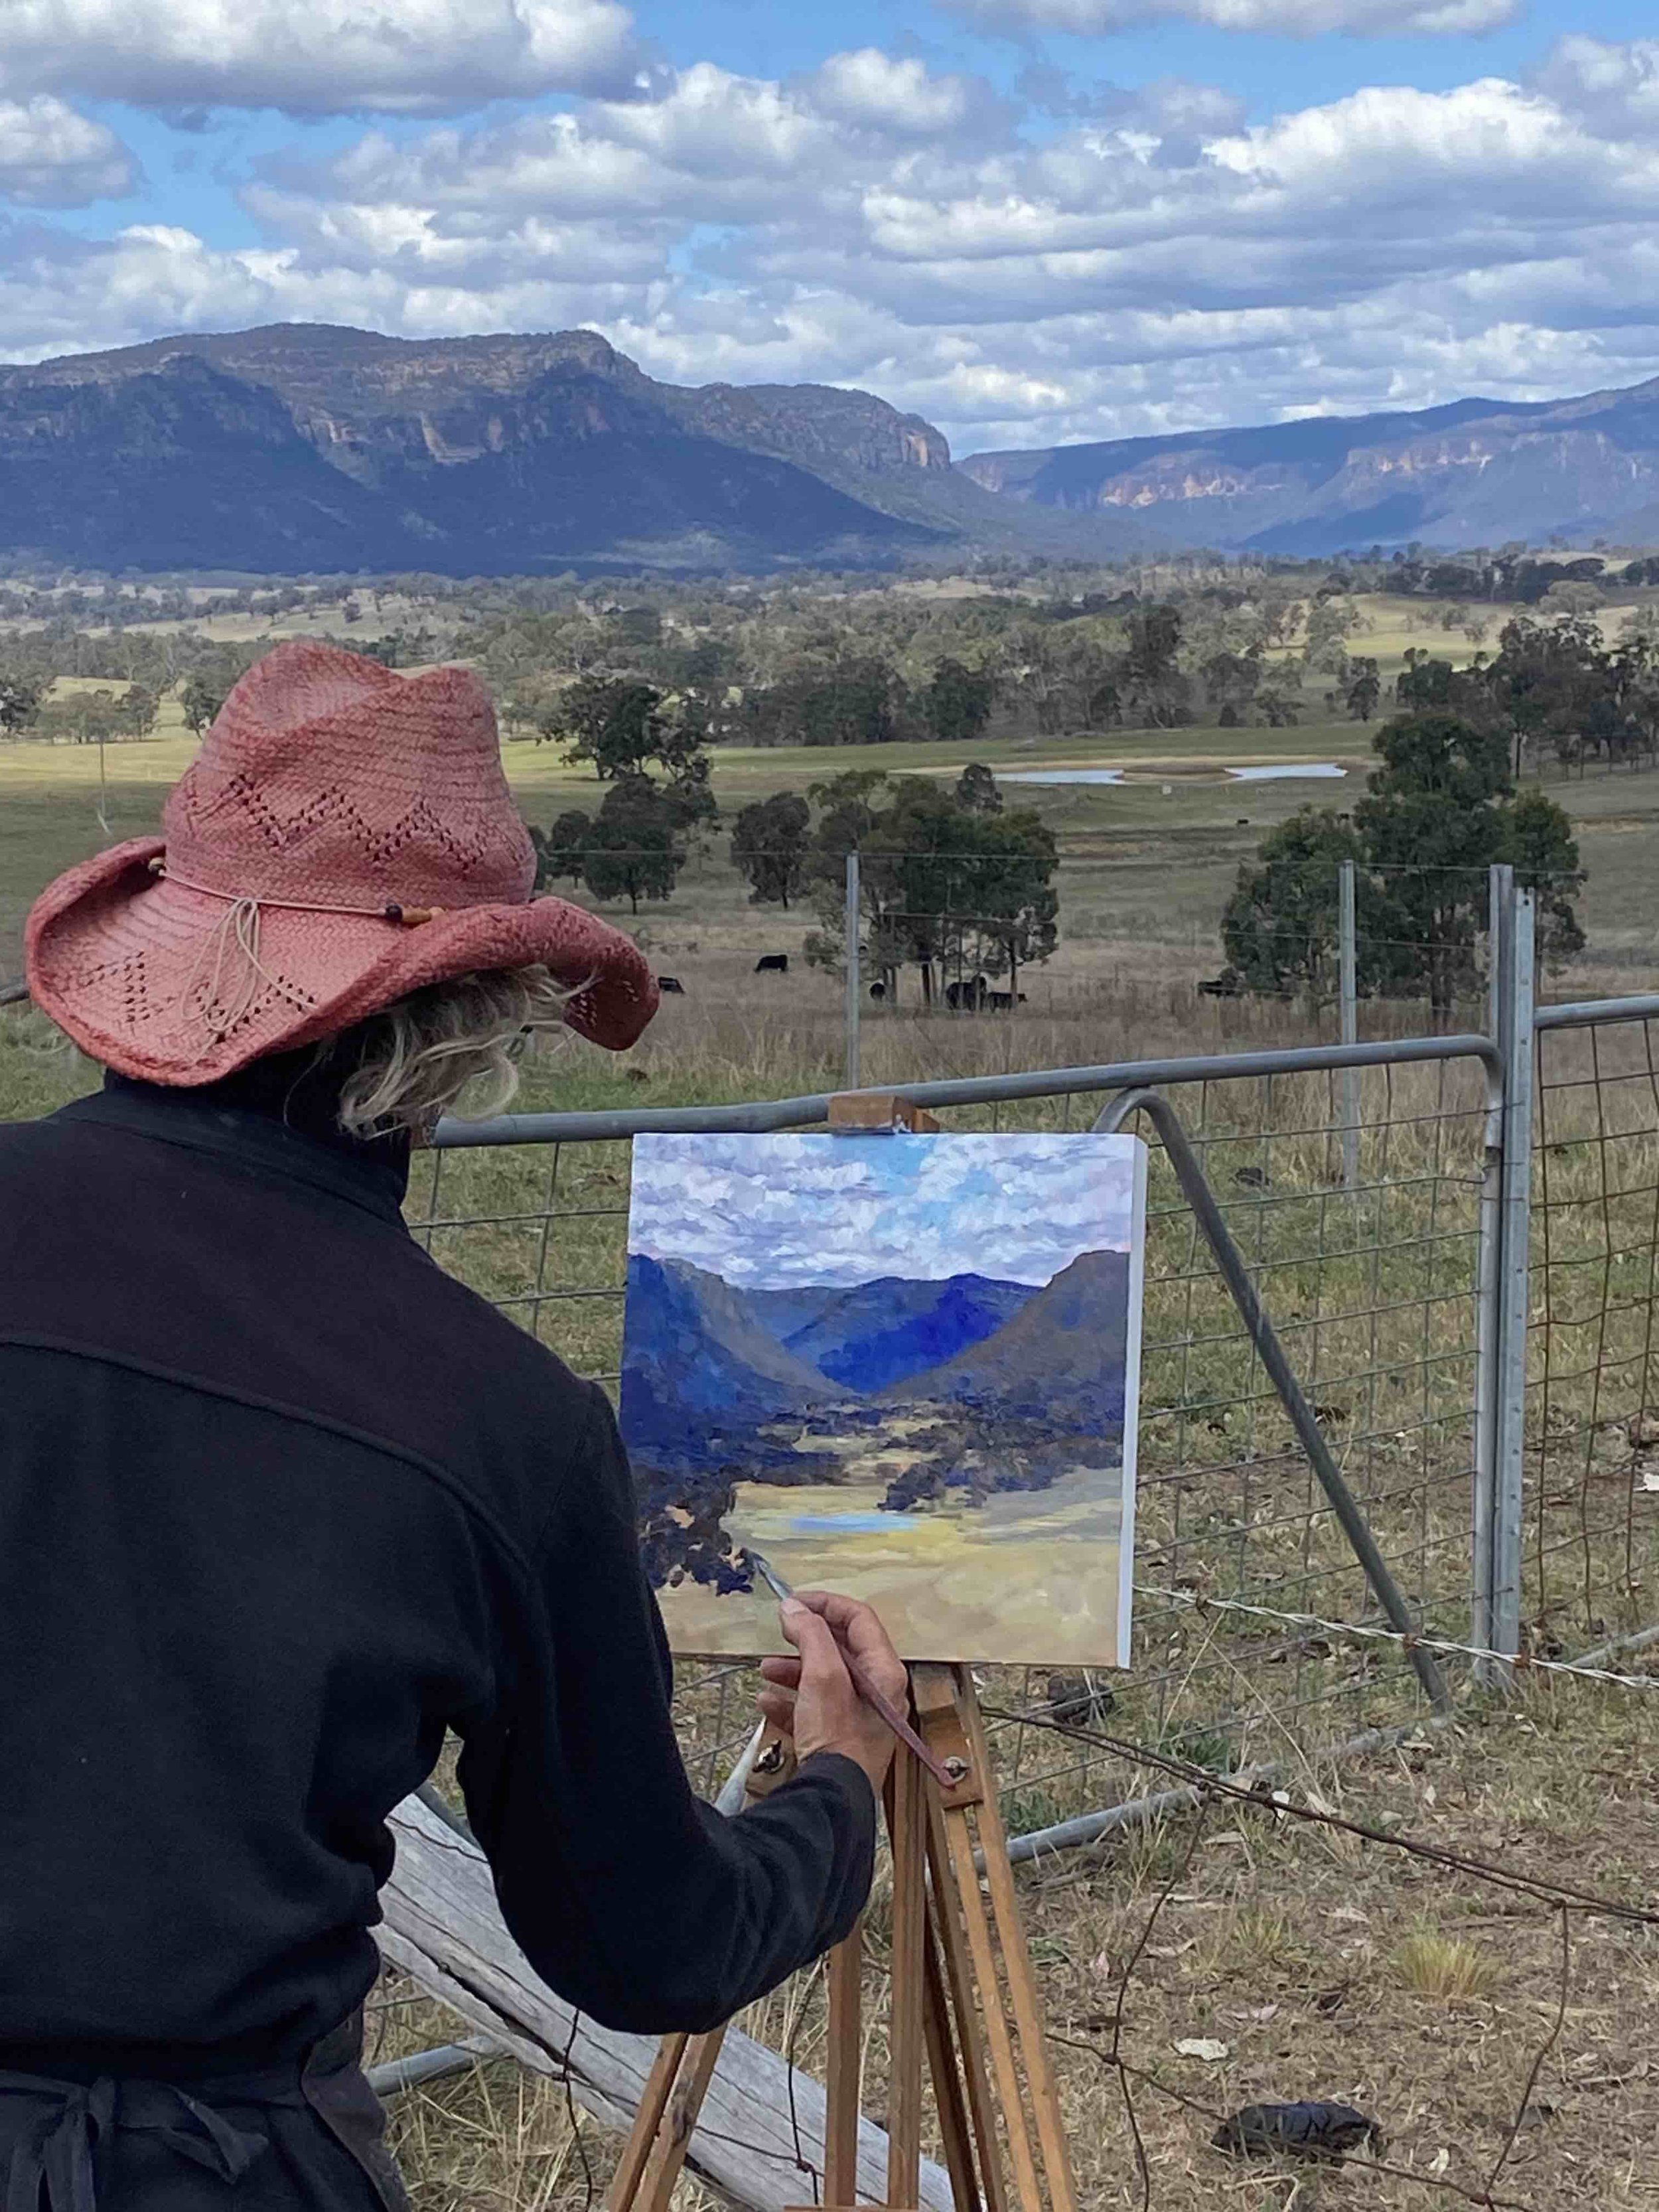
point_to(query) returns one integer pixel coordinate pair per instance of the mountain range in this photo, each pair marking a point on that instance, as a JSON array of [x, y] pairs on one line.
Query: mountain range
[[308, 448], [1476, 472]]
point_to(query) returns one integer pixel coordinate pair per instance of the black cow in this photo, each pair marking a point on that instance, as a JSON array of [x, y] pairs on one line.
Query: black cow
[[1229, 984], [672, 985], [1004, 1002], [772, 964], [968, 995]]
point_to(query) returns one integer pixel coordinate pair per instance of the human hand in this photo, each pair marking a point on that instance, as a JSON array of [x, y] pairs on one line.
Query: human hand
[[814, 1698]]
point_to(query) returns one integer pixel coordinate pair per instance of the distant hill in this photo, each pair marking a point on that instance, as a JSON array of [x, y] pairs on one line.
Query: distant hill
[[1476, 472], [1059, 1359], [881, 1332], [302, 447]]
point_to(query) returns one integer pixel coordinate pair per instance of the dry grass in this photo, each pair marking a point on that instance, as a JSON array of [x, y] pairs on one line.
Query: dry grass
[[1431, 1965], [1283, 1943]]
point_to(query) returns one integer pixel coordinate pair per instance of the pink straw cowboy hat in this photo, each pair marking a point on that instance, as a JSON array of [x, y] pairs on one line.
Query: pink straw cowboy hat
[[344, 837]]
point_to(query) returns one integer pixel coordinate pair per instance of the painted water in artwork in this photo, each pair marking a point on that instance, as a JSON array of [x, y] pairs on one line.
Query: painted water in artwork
[[904, 1366]]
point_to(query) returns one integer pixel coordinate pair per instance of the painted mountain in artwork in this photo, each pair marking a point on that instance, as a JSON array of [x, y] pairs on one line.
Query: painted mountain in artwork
[[698, 1367], [874, 1334], [711, 1373], [1060, 1358]]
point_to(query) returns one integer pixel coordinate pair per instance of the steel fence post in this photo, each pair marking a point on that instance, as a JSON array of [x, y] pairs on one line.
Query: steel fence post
[[1488, 1358], [1517, 1043], [853, 1006], [1350, 986]]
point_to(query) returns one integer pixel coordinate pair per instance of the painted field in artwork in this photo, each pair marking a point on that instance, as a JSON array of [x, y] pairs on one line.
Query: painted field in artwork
[[904, 1366]]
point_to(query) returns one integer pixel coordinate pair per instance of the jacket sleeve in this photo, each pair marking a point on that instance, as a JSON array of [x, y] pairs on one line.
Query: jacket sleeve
[[636, 1902]]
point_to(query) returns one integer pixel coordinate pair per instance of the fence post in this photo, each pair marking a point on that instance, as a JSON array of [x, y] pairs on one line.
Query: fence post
[[852, 961], [1350, 986], [1500, 1435], [1517, 1043]]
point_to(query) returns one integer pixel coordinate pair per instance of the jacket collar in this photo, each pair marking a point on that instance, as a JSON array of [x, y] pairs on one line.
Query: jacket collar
[[257, 1134]]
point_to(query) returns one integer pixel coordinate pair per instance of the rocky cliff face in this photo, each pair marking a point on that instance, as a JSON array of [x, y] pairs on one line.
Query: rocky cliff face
[[1474, 473], [305, 447]]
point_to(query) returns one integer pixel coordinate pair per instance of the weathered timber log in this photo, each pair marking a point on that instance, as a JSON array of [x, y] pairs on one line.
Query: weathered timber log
[[442, 1928]]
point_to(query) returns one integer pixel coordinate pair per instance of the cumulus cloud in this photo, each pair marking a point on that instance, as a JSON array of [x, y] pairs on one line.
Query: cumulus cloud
[[1144, 262], [317, 57], [897, 97], [1289, 18], [50, 156], [1611, 88]]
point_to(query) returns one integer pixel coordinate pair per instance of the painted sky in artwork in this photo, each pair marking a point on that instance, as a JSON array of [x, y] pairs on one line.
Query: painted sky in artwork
[[775, 1212]]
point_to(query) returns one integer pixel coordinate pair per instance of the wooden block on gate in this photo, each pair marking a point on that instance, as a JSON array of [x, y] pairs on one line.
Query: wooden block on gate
[[880, 1113]]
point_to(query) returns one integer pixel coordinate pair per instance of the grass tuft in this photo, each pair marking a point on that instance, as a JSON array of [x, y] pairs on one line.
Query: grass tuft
[[1431, 1965]]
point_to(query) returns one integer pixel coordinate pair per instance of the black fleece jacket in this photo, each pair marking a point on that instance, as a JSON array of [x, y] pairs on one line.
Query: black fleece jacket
[[280, 1502]]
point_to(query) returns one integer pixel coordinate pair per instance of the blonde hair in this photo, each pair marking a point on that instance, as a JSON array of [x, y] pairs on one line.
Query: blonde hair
[[416, 1059]]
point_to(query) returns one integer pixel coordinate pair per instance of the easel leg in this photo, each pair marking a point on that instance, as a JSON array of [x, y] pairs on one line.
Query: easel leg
[[841, 2082], [654, 2105], [1022, 1980], [905, 2028], [959, 1988], [660, 2138], [954, 2126], [1019, 2058]]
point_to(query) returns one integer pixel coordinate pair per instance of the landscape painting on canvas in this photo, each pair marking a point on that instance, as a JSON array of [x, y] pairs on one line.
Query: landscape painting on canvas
[[903, 1366]]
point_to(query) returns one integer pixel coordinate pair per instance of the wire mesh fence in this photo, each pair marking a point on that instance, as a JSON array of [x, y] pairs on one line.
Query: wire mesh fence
[[1591, 1521], [1373, 1291]]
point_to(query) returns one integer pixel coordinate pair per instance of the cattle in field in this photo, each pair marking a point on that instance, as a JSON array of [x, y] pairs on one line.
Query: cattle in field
[[772, 964], [1229, 984], [1004, 1002], [672, 985], [967, 995]]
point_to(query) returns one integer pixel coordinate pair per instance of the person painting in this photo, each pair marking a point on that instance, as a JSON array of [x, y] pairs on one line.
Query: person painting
[[281, 1503]]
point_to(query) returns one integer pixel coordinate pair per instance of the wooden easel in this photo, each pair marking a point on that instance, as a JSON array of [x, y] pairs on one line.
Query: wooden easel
[[963, 1996], [963, 1990]]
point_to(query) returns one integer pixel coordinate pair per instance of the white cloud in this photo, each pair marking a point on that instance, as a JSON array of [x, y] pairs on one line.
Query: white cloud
[[1613, 88], [317, 57], [1304, 19], [898, 98], [50, 156], [1145, 265]]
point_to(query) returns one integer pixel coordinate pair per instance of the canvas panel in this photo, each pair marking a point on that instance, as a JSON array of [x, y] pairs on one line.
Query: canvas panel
[[904, 1366]]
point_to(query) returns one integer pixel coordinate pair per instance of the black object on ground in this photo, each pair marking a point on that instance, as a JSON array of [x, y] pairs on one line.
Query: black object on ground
[[1312, 2129]]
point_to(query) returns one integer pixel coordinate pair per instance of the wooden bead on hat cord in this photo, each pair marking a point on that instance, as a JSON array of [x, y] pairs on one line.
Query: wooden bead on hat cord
[[963, 1993]]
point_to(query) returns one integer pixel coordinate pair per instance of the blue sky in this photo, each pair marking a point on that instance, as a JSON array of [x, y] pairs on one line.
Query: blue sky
[[1031, 221], [775, 1212]]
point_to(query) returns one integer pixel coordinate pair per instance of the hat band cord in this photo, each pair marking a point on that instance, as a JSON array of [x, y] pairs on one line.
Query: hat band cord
[[411, 917]]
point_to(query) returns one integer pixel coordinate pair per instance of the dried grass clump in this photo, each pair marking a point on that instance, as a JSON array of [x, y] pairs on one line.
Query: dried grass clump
[[1435, 1965]]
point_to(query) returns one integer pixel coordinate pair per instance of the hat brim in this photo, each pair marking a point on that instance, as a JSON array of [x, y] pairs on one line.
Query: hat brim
[[175, 986]]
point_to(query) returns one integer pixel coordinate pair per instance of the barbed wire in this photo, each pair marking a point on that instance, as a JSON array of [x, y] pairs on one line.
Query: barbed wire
[[1521, 1661], [1281, 1804]]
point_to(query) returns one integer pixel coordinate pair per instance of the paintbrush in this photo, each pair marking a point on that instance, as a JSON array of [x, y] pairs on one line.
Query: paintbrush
[[867, 1689]]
